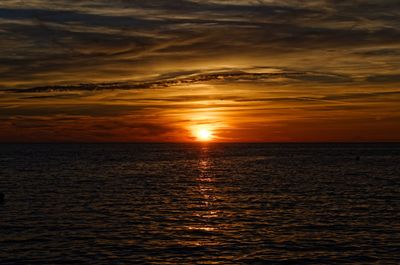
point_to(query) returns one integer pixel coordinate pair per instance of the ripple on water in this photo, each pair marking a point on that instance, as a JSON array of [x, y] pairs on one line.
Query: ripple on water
[[192, 204]]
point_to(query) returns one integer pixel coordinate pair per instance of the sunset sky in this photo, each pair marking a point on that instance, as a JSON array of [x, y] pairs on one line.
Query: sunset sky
[[163, 71]]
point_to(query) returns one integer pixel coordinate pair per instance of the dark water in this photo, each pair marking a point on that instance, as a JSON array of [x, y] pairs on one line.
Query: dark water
[[200, 204]]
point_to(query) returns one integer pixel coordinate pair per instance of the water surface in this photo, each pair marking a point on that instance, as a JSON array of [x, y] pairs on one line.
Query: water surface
[[200, 204]]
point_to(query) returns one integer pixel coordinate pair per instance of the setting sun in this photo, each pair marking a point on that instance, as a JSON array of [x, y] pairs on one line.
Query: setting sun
[[204, 135]]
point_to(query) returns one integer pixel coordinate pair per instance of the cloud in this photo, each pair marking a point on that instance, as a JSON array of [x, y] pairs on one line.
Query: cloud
[[390, 78], [81, 42], [167, 65], [79, 109], [183, 78]]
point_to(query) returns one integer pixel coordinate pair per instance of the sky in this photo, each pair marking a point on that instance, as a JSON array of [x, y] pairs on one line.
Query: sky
[[161, 71]]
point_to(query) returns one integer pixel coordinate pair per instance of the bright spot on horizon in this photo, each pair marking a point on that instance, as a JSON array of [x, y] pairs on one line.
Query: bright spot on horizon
[[204, 135]]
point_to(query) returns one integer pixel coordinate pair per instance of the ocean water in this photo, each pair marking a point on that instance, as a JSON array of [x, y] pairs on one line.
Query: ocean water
[[200, 204]]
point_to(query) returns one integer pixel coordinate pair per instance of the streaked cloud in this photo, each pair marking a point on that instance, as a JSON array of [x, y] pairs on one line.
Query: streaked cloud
[[181, 78], [115, 70]]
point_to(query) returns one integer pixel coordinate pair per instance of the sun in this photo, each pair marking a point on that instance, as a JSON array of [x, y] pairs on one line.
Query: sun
[[204, 135]]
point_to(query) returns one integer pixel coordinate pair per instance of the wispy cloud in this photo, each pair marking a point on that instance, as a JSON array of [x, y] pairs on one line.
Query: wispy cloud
[[182, 78], [239, 65], [85, 41]]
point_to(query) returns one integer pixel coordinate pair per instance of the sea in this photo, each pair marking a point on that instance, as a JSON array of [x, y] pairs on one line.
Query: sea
[[200, 203]]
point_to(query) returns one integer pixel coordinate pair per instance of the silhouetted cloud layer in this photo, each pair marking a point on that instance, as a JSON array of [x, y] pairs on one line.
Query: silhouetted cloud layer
[[248, 60], [185, 78], [53, 42]]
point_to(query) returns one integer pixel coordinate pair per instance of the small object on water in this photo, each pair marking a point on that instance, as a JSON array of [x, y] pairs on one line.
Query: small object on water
[[2, 197]]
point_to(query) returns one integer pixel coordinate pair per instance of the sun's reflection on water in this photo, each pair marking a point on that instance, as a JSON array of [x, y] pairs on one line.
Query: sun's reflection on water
[[207, 195]]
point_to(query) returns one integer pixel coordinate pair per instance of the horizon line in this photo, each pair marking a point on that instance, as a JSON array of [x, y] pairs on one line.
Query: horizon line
[[203, 143]]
